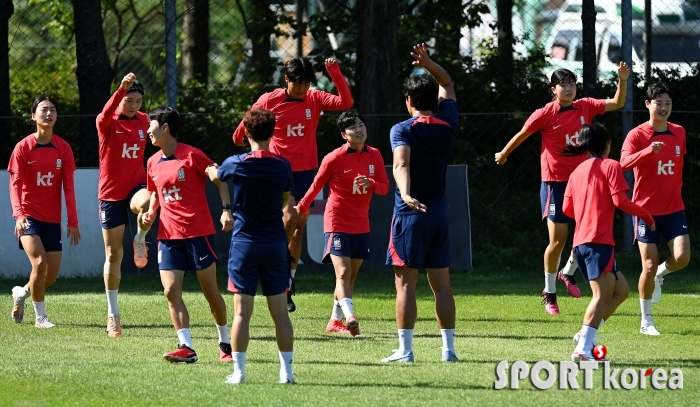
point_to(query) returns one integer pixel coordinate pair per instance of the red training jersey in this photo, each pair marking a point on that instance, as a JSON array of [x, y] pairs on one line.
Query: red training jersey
[[297, 119], [560, 126], [122, 149], [658, 178], [179, 181], [37, 172], [347, 208], [590, 200]]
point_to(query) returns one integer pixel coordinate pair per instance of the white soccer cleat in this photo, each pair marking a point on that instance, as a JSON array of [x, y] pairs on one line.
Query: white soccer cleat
[[584, 356], [44, 323], [649, 329], [399, 356], [449, 356], [577, 337], [235, 379], [284, 379], [656, 295]]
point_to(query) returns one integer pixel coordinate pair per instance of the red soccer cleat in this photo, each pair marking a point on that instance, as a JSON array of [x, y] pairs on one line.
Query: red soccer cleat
[[353, 326], [570, 284], [225, 353], [550, 303], [181, 354], [335, 325]]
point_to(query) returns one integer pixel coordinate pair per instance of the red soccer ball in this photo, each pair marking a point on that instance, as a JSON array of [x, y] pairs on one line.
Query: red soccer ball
[[599, 352]]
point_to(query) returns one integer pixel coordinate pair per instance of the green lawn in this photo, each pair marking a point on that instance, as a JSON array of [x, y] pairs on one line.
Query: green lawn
[[499, 316]]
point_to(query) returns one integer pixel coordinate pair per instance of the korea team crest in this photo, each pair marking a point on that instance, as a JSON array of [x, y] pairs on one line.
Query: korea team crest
[[336, 243], [141, 135], [371, 169], [641, 230], [181, 174], [583, 120], [308, 113], [58, 163], [678, 151]]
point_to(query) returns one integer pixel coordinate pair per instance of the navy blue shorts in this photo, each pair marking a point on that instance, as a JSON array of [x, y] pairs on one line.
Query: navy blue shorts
[[667, 226], [116, 213], [420, 240], [267, 262], [196, 253], [49, 233], [595, 259], [354, 246], [302, 183], [552, 201]]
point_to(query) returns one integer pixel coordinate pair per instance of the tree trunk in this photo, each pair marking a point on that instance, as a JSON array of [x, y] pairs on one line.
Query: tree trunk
[[261, 24], [94, 75], [377, 86], [590, 68], [196, 45], [504, 9], [6, 11]]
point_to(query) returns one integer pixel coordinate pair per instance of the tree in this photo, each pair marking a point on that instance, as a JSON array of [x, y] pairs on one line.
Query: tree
[[504, 10], [6, 11], [195, 47], [93, 72], [590, 66], [377, 65], [259, 23]]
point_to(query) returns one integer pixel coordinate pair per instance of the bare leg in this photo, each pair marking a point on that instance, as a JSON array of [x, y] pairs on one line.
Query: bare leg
[[217, 305], [439, 280], [172, 288], [406, 279]]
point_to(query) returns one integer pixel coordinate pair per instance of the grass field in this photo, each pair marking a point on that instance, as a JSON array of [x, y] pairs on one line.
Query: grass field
[[499, 316]]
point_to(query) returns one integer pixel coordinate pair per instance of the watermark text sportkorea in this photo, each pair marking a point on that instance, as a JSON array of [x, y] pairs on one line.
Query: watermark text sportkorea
[[567, 375]]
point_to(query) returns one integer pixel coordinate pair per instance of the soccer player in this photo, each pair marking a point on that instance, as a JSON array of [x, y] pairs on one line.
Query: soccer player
[[261, 187], [655, 150], [594, 189], [176, 180], [41, 164], [420, 229], [559, 122], [122, 128], [355, 171], [297, 109]]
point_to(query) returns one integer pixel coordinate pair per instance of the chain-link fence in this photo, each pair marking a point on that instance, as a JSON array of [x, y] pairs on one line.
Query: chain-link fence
[[498, 52]]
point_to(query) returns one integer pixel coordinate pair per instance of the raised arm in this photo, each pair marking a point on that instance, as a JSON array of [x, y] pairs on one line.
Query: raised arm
[[239, 134], [422, 59], [106, 117], [344, 99], [618, 101], [502, 156]]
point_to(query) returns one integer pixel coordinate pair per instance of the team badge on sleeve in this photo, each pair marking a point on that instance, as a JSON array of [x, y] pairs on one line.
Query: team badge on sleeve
[[308, 113], [58, 163], [181, 174], [371, 169]]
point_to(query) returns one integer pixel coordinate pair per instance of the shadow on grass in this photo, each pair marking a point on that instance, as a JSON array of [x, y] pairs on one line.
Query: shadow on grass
[[426, 385]]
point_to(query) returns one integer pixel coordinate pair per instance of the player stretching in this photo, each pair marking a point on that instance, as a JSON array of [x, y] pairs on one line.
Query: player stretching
[[559, 122], [655, 150], [420, 229], [121, 128], [355, 171], [297, 109], [594, 189], [261, 184], [40, 165], [176, 178]]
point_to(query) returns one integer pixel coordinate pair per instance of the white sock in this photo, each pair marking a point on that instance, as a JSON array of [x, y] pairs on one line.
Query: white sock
[[550, 282], [238, 363], [646, 311], [448, 339], [25, 293], [39, 309], [585, 341], [337, 313], [112, 307], [662, 270], [294, 272], [140, 235], [570, 267], [185, 338], [346, 306], [286, 363], [405, 340], [223, 334]]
